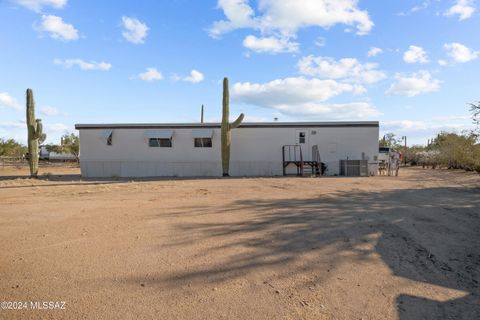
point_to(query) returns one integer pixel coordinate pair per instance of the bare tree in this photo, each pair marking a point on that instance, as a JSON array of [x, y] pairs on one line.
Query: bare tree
[[475, 110]]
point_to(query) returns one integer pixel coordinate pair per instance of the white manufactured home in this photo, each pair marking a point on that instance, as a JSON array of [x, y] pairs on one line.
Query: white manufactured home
[[257, 149]]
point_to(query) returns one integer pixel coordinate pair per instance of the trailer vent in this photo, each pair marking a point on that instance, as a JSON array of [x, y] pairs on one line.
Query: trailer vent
[[354, 168]]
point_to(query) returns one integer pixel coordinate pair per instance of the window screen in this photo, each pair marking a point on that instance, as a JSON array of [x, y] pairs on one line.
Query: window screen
[[203, 142], [160, 142]]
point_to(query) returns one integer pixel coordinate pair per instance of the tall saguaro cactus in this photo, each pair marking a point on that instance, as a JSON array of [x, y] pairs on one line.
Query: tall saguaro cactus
[[226, 128], [35, 134]]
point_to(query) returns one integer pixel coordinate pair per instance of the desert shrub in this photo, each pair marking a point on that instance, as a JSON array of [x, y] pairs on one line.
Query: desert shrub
[[427, 158], [415, 155], [458, 151], [11, 148]]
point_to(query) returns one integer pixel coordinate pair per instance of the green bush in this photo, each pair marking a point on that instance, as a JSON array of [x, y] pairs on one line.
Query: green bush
[[458, 151], [11, 148]]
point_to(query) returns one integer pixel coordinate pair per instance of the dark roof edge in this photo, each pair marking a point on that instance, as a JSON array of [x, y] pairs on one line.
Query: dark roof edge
[[218, 125]]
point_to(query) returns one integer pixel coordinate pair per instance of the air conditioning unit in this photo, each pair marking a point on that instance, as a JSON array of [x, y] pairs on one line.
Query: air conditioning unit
[[354, 168]]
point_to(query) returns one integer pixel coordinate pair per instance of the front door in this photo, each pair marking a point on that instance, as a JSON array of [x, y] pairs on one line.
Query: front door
[[302, 139]]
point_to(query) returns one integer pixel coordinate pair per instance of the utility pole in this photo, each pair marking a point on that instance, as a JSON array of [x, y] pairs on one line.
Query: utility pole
[[405, 151], [201, 118]]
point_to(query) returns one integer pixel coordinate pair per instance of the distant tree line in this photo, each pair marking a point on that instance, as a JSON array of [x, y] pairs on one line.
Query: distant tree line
[[69, 144], [11, 148]]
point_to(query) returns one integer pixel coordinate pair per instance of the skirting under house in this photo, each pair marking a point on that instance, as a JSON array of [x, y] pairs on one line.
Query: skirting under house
[[257, 149]]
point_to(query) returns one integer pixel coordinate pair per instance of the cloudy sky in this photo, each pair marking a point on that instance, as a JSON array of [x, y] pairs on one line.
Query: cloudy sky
[[411, 64]]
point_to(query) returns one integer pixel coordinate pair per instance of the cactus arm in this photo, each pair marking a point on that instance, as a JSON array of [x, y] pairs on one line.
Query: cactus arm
[[39, 132], [237, 122], [37, 129], [42, 138]]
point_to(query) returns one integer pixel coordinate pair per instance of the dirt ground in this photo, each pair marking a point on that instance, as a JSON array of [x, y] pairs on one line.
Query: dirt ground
[[259, 248]]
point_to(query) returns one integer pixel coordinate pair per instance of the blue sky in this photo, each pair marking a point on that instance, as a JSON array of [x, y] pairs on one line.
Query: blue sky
[[413, 64]]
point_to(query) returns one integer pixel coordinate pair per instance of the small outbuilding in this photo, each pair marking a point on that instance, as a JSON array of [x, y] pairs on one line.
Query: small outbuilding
[[257, 149]]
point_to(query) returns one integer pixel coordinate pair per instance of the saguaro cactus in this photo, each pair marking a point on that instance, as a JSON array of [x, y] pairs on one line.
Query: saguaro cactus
[[35, 134], [226, 128]]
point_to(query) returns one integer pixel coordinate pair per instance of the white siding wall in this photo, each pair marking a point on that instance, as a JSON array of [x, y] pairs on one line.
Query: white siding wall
[[130, 155], [254, 151]]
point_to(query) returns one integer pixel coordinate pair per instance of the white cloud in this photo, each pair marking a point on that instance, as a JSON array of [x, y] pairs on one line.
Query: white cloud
[[430, 127], [8, 101], [460, 53], [442, 62], [415, 54], [84, 65], [56, 127], [58, 29], [51, 111], [288, 91], [37, 5], [288, 16], [405, 125], [374, 51], [134, 31], [283, 19], [463, 8], [151, 74], [421, 7], [194, 77], [300, 97], [413, 85], [270, 44], [349, 69], [239, 15], [13, 125], [326, 111]]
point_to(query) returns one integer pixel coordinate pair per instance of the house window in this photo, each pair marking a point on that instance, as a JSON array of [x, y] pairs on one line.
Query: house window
[[158, 138], [301, 137], [203, 142], [160, 142], [109, 139], [106, 136]]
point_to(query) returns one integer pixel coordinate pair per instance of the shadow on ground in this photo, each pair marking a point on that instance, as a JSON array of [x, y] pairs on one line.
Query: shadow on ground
[[428, 235]]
